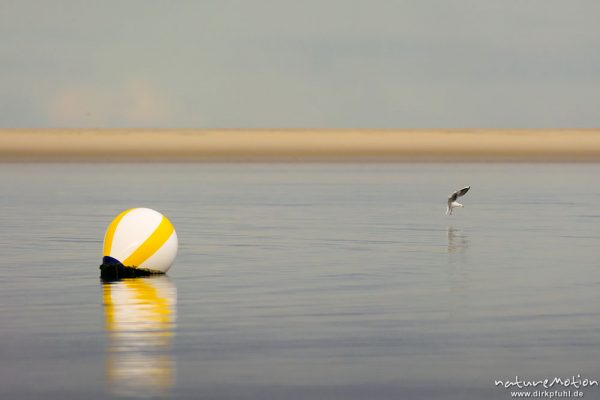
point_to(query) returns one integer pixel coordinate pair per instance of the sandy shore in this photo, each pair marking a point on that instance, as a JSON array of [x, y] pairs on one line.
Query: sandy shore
[[27, 145]]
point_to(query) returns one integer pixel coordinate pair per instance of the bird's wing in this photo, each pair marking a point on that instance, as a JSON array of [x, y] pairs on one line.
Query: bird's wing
[[452, 197], [462, 191]]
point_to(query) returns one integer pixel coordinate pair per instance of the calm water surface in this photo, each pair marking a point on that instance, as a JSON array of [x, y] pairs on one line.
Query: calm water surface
[[301, 281]]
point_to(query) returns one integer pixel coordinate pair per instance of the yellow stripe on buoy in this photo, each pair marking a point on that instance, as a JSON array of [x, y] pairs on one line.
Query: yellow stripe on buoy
[[110, 232], [151, 245]]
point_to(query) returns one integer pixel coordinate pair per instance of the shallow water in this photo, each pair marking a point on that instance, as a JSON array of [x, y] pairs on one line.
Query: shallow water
[[307, 281]]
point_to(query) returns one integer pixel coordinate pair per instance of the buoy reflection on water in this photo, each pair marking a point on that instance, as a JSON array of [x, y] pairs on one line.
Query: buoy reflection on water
[[140, 315]]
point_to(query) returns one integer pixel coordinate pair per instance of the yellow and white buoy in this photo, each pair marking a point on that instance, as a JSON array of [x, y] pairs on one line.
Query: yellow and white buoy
[[140, 240]]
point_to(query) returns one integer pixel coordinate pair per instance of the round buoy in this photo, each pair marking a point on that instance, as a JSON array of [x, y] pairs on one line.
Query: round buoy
[[139, 241]]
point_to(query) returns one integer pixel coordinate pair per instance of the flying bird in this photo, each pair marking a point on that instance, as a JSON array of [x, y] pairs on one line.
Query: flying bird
[[452, 203]]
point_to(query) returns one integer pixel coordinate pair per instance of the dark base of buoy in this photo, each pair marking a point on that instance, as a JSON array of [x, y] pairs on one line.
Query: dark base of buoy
[[114, 272]]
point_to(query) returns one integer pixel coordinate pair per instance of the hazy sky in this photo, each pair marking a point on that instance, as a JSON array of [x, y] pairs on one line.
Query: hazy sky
[[300, 63]]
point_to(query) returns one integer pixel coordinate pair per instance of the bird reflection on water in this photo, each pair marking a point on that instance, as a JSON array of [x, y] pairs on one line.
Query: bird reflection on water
[[140, 316], [458, 241]]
